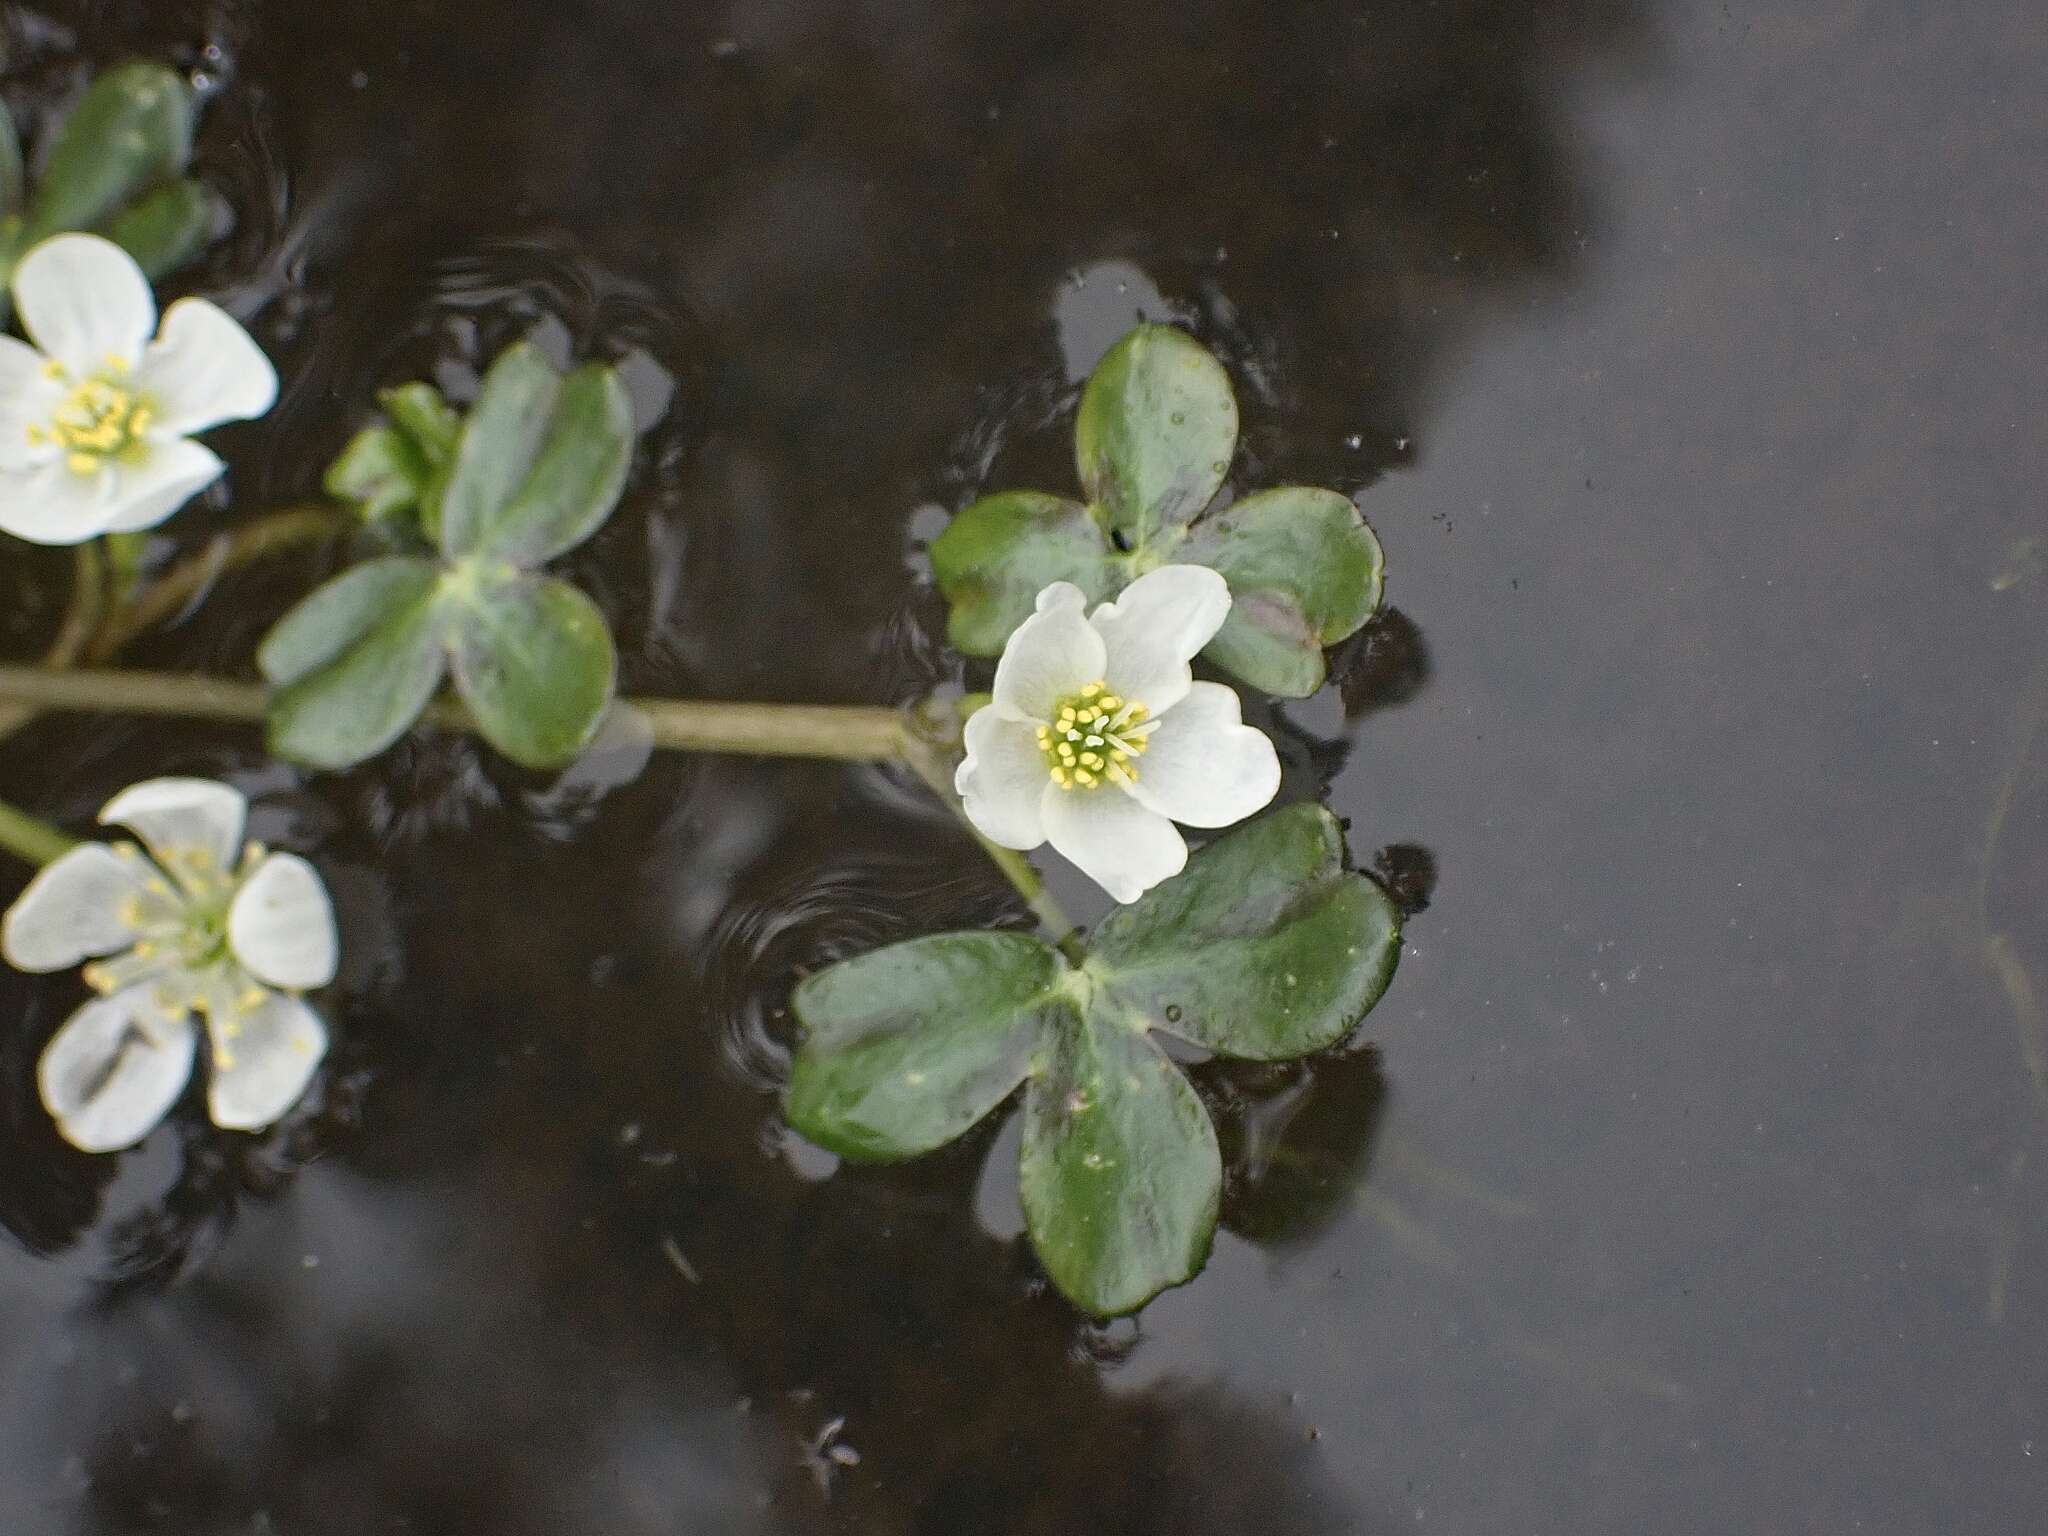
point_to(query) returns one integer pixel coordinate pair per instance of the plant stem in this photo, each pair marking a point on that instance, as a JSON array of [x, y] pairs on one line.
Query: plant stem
[[184, 581], [848, 732], [845, 732], [30, 840], [929, 762], [82, 614]]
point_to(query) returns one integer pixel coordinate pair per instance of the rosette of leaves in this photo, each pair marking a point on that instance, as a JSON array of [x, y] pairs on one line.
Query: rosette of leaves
[[1264, 948], [534, 470], [1154, 438], [115, 166]]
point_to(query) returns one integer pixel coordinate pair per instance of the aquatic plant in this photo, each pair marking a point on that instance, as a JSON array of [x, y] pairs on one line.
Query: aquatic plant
[[1097, 737]]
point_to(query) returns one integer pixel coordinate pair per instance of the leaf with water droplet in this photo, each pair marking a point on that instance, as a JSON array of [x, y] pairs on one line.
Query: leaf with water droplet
[[1156, 417], [1119, 1170]]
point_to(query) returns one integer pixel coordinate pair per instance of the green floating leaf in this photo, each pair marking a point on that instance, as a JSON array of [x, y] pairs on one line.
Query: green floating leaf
[[1119, 1169], [577, 479], [384, 652], [1304, 572], [1156, 431], [167, 228], [992, 561], [533, 660], [1265, 947], [908, 1047], [338, 616], [131, 129], [503, 437]]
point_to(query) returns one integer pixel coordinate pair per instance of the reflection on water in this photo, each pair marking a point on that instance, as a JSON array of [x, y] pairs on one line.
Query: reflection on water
[[1683, 1182]]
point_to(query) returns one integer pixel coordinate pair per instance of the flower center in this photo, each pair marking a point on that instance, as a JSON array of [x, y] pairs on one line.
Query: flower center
[[179, 919], [1094, 738], [99, 419]]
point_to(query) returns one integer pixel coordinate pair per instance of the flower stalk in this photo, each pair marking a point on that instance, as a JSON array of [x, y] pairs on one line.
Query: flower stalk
[[30, 839]]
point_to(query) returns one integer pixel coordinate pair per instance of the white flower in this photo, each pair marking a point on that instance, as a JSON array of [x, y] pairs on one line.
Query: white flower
[[94, 428], [1099, 739], [201, 924]]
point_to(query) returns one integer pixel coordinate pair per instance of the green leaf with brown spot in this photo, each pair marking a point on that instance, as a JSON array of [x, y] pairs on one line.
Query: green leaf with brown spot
[[1304, 573]]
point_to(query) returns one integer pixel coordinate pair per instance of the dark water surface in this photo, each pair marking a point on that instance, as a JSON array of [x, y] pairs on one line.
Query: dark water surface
[[1689, 360]]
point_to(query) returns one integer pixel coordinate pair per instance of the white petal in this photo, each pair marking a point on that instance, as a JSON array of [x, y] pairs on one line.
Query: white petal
[[1112, 839], [70, 911], [1155, 627], [1050, 655], [176, 817], [203, 369], [171, 475], [281, 925], [28, 398], [261, 1070], [106, 1079], [85, 302], [1002, 779], [1203, 766], [51, 505]]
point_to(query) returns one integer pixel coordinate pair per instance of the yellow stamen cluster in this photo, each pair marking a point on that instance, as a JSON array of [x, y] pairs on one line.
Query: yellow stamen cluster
[[180, 949], [100, 419], [1092, 738]]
